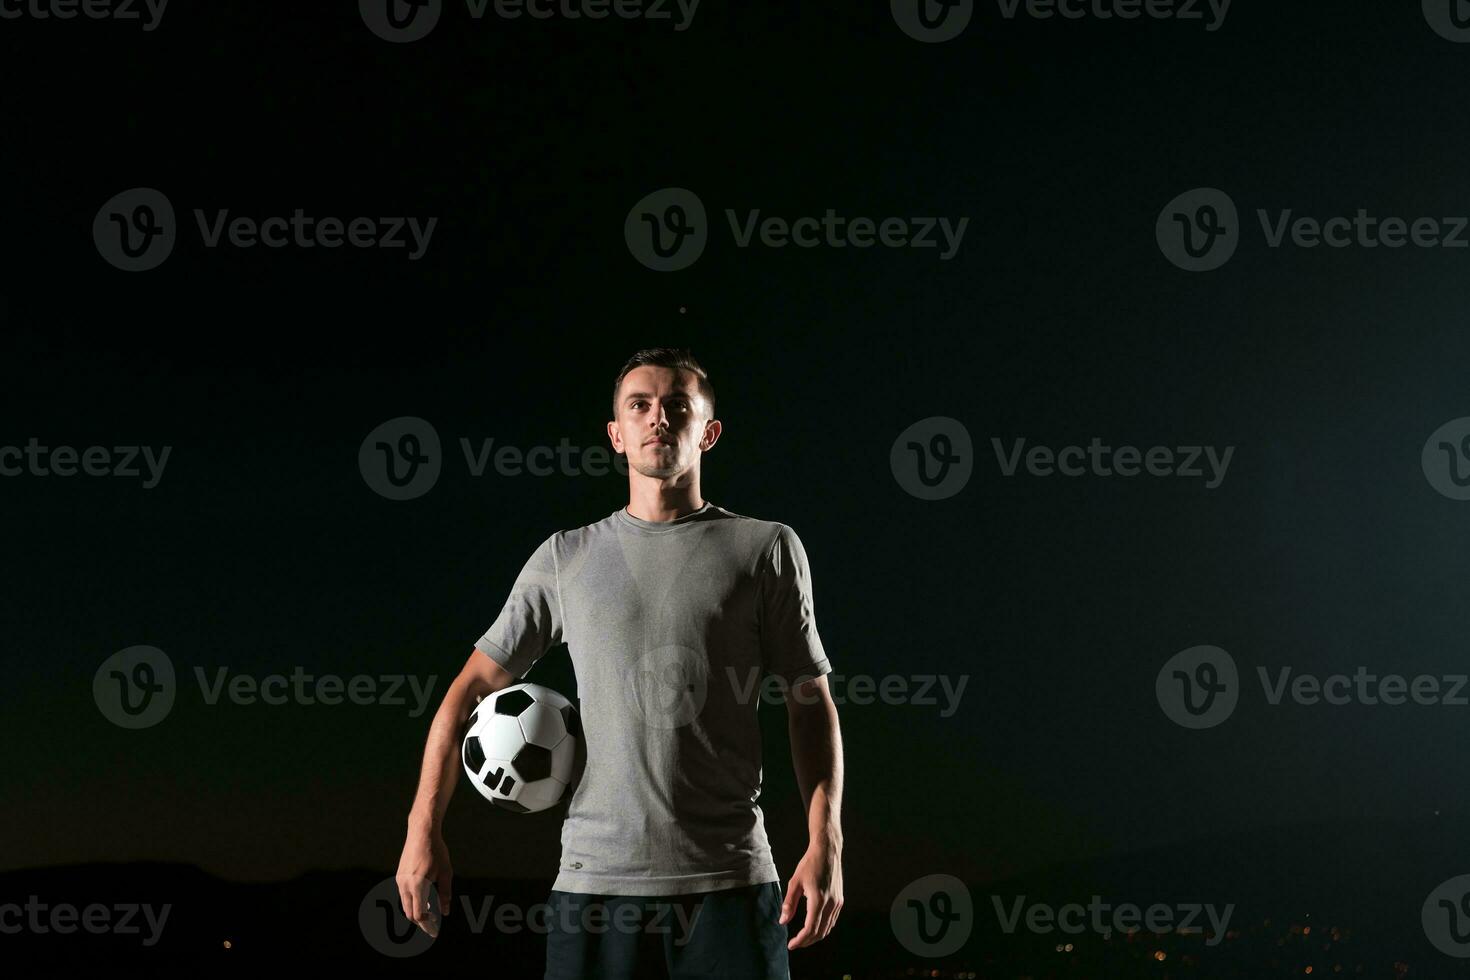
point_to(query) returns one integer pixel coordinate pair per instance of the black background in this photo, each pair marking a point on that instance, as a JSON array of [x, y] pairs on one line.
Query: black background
[[1058, 321]]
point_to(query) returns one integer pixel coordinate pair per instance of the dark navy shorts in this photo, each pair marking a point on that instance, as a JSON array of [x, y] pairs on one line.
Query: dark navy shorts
[[731, 934]]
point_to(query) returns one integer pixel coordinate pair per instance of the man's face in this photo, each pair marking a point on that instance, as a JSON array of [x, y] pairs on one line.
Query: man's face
[[662, 422]]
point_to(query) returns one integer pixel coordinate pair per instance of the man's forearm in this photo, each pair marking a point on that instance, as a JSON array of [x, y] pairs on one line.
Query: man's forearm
[[441, 760], [816, 753]]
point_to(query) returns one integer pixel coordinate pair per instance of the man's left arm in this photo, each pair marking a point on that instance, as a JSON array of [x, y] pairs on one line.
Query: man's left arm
[[816, 751]]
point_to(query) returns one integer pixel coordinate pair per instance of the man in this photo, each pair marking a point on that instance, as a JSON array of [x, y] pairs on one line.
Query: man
[[673, 610]]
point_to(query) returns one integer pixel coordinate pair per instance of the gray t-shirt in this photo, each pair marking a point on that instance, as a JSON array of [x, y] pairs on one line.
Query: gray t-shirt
[[671, 628]]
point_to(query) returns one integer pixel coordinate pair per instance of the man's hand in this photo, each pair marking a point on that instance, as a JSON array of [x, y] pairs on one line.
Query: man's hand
[[425, 860], [818, 877]]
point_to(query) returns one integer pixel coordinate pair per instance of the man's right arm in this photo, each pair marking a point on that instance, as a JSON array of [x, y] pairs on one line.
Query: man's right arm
[[425, 858]]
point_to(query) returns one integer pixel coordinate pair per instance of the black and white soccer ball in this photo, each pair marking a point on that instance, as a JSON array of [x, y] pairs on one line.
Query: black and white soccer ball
[[523, 748]]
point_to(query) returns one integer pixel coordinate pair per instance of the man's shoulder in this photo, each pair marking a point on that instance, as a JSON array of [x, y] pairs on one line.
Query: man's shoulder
[[758, 536], [715, 517], [575, 536], [751, 525]]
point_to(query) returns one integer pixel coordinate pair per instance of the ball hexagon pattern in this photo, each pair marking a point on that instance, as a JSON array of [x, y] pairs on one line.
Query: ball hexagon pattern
[[522, 748]]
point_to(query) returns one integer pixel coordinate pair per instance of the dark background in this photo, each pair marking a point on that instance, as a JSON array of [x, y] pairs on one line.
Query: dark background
[[1059, 320]]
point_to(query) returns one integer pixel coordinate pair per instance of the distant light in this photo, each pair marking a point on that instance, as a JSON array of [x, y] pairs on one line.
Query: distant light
[[227, 944], [1160, 955]]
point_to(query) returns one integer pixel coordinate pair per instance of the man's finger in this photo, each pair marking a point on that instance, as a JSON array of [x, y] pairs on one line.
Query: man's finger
[[788, 907], [829, 919], [446, 881], [413, 899], [405, 900], [809, 928]]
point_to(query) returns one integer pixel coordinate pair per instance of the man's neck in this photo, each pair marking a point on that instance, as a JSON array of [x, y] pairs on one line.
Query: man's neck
[[660, 506]]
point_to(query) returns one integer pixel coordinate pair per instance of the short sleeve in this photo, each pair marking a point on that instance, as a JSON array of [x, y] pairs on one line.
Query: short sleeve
[[790, 646], [531, 621]]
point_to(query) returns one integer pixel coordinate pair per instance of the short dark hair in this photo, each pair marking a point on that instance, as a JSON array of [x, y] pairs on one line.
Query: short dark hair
[[672, 357]]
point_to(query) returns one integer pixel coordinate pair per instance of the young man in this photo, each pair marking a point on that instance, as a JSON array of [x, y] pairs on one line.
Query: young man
[[673, 609]]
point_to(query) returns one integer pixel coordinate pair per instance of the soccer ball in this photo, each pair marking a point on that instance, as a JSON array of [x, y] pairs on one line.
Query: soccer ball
[[523, 747]]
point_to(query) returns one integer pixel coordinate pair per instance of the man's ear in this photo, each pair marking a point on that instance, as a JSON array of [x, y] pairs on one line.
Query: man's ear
[[615, 437]]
